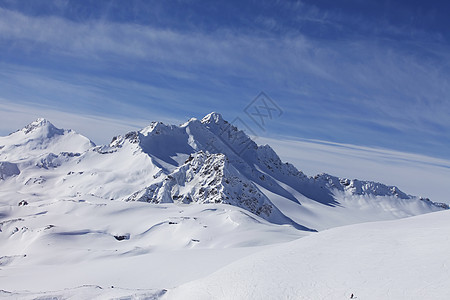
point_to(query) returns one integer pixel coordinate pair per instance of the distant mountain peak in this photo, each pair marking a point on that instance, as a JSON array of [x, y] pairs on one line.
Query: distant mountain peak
[[41, 137], [39, 123], [213, 117]]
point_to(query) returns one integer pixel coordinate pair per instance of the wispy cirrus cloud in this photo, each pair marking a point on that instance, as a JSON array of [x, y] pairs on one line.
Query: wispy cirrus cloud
[[368, 89]]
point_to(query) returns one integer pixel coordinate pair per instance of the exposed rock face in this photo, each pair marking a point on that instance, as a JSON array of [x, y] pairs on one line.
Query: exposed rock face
[[207, 178]]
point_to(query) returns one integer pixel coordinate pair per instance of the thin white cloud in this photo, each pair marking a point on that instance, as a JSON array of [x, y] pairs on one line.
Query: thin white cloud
[[353, 64], [92, 94], [366, 80]]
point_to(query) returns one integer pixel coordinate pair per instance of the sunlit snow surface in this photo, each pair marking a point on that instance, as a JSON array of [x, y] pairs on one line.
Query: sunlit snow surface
[[402, 259], [54, 244], [157, 212]]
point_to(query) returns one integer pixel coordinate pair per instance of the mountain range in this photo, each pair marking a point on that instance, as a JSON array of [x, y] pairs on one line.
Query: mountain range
[[201, 161], [156, 195]]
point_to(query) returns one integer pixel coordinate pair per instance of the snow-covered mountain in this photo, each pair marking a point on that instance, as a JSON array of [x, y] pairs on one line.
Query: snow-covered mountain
[[201, 161], [38, 138], [155, 208]]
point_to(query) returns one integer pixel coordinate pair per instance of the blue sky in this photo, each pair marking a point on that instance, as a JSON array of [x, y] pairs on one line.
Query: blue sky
[[369, 73]]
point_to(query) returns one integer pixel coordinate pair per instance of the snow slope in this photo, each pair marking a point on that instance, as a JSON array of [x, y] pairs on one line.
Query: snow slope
[[127, 245], [402, 259]]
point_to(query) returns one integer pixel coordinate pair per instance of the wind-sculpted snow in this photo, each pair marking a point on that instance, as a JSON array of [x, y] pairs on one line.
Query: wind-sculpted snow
[[53, 244]]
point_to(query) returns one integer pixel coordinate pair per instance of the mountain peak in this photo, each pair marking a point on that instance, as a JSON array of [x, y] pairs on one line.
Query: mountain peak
[[213, 117], [39, 123]]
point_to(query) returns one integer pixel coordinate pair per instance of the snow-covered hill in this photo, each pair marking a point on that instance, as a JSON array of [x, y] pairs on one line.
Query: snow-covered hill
[[157, 208], [401, 259]]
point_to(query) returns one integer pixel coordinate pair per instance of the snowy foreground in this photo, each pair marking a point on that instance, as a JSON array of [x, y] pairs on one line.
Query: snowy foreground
[[401, 259], [199, 211], [66, 244]]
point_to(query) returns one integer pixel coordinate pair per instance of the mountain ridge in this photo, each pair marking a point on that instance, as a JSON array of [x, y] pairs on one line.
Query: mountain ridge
[[200, 161]]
